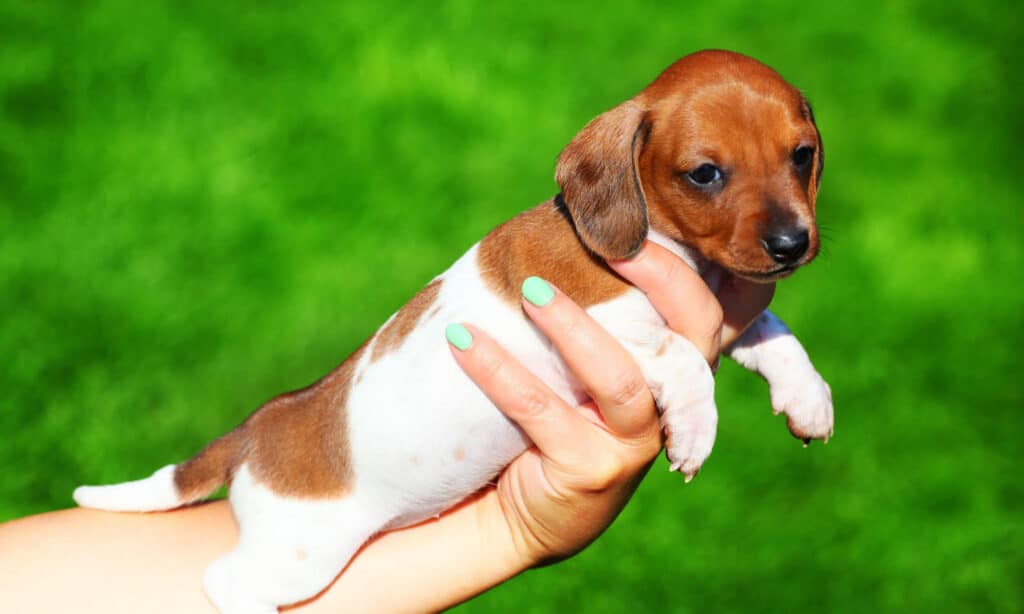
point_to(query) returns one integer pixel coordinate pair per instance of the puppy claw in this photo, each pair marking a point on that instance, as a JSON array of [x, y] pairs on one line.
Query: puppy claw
[[688, 474], [689, 418], [690, 444]]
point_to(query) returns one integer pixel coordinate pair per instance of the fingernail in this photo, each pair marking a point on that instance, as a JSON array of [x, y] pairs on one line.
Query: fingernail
[[537, 291], [458, 336]]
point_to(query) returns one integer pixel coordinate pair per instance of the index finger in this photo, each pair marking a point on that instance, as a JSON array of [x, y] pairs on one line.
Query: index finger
[[678, 293], [607, 372], [519, 394]]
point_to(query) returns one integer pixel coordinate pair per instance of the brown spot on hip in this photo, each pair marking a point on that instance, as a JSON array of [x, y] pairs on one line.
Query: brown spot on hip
[[459, 453], [296, 444], [299, 443], [394, 332], [543, 242]]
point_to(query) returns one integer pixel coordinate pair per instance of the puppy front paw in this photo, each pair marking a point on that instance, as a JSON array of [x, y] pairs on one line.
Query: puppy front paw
[[807, 403], [689, 437]]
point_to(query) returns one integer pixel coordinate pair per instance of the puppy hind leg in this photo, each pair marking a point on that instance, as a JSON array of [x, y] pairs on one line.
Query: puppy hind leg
[[288, 551], [224, 583]]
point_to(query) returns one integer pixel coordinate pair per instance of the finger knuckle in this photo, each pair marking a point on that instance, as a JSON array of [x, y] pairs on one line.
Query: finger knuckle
[[489, 366], [627, 389], [606, 471], [647, 445], [533, 402], [675, 272], [571, 324]]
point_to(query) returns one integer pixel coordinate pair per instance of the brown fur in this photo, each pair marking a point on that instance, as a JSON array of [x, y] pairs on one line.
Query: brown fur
[[598, 176], [213, 466], [392, 335], [295, 444], [712, 106], [299, 442], [542, 242]]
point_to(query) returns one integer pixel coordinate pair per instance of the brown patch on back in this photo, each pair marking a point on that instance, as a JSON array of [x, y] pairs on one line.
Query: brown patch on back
[[298, 442], [395, 332], [295, 444], [543, 242]]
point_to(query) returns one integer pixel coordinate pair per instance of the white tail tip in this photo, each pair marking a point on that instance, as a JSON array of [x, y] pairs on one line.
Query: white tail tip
[[157, 492]]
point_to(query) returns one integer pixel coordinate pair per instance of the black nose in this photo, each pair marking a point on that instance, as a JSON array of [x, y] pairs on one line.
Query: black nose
[[786, 247]]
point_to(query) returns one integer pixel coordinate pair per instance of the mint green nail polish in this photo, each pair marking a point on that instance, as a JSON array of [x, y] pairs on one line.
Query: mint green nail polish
[[458, 336], [537, 291]]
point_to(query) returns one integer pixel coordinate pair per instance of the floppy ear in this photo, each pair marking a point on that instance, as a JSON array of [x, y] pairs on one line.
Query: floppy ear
[[818, 164], [597, 172], [819, 167]]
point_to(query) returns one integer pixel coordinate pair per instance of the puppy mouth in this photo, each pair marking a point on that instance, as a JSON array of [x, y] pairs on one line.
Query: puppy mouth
[[768, 276]]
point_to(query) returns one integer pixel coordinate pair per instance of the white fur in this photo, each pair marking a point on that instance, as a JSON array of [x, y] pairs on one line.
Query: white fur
[[769, 349], [288, 549], [157, 492], [422, 436]]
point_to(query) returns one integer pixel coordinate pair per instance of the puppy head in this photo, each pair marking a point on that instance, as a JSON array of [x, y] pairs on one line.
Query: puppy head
[[718, 153]]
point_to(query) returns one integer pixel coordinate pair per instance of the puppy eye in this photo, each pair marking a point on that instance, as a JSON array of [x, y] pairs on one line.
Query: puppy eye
[[802, 156], [705, 175]]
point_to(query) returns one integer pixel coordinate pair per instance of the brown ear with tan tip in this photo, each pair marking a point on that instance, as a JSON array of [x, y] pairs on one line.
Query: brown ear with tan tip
[[597, 172]]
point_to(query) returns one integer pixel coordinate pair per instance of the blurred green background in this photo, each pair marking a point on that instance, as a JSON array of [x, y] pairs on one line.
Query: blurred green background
[[203, 204]]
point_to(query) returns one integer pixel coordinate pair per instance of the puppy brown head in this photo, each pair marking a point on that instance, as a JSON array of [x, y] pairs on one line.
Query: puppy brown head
[[718, 153]]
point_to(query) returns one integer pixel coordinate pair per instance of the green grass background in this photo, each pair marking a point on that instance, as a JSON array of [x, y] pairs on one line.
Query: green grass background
[[203, 204]]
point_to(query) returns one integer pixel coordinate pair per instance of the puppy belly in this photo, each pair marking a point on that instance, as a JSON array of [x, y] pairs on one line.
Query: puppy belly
[[423, 436], [419, 449]]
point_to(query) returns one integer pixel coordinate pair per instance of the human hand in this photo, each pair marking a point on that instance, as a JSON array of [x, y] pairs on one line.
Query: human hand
[[587, 461], [689, 308]]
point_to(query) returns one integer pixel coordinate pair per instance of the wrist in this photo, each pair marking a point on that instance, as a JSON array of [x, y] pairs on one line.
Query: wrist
[[500, 542]]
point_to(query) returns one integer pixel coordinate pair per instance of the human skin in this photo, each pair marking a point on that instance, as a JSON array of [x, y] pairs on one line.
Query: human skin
[[550, 503]]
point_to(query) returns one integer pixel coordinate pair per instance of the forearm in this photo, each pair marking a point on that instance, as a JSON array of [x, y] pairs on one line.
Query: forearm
[[80, 559], [431, 566]]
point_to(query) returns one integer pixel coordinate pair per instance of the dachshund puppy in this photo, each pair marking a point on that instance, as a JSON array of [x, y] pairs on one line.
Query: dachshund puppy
[[718, 159]]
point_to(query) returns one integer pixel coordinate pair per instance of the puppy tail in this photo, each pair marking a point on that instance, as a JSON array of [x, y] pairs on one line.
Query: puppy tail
[[174, 485]]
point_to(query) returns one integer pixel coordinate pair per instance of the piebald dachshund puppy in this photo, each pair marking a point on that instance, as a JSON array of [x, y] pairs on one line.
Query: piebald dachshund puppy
[[718, 160]]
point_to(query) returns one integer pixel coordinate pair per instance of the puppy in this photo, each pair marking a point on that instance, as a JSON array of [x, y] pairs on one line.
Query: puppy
[[718, 160]]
